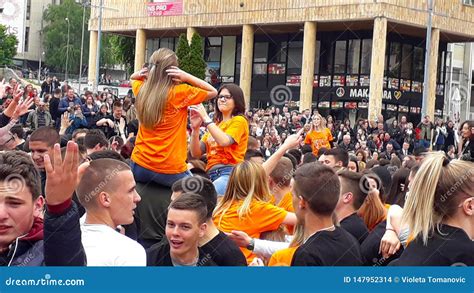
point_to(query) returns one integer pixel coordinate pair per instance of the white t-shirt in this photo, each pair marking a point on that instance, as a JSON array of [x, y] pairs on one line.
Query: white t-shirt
[[106, 247]]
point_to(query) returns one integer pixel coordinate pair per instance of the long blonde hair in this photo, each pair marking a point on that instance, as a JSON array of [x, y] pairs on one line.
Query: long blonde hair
[[322, 123], [153, 96], [435, 193], [248, 182]]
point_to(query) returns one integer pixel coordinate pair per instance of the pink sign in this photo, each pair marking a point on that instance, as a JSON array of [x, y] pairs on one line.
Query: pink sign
[[165, 8]]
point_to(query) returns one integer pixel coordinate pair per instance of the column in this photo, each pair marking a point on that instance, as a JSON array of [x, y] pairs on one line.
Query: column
[[307, 68], [190, 31], [92, 59], [246, 62], [377, 67], [140, 49], [432, 70]]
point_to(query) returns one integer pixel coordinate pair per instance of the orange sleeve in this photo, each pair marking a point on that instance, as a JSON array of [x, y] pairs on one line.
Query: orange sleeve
[[330, 138], [267, 217], [237, 129], [282, 258], [307, 139], [136, 85], [187, 95]]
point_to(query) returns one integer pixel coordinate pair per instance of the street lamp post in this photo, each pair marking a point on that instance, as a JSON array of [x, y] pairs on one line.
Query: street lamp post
[[67, 48], [97, 60], [82, 44]]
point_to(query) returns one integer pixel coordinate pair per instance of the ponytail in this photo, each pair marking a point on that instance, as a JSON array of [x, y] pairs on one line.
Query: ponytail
[[372, 210]]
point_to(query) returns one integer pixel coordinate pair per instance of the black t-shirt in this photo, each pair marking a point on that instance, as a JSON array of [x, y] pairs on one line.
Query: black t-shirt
[[115, 130], [356, 226], [371, 245], [329, 248], [159, 255], [224, 252], [448, 246]]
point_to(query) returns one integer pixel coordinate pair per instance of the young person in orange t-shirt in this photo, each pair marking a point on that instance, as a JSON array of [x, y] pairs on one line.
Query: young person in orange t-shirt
[[164, 93], [319, 136], [246, 207], [225, 143]]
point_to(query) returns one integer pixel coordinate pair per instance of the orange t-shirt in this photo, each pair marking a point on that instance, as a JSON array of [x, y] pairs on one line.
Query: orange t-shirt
[[283, 257], [163, 149], [319, 139], [286, 203], [238, 129], [263, 216]]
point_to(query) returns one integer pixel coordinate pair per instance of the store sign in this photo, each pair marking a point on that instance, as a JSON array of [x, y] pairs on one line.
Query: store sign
[[363, 93], [13, 17], [165, 8]]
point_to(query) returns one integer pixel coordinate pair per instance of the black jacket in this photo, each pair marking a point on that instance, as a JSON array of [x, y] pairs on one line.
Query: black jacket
[[159, 255]]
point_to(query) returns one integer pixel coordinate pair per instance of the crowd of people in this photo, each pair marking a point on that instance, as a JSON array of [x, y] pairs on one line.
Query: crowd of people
[[161, 179]]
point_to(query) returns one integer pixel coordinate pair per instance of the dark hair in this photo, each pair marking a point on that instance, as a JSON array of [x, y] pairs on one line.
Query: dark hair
[[106, 154], [117, 104], [306, 149], [352, 182], [17, 168], [253, 153], [118, 139], [309, 158], [322, 151], [58, 91], [364, 155], [77, 131], [297, 154], [318, 185], [99, 177], [340, 155], [18, 131], [252, 143], [354, 159], [47, 135], [239, 101], [396, 195], [201, 186], [94, 137], [191, 202], [292, 159]]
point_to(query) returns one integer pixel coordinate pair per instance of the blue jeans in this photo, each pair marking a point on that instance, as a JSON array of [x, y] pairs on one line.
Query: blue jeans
[[220, 178], [144, 175]]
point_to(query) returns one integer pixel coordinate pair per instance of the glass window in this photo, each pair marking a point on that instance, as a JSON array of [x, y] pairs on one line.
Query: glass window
[[238, 52], [213, 54], [340, 57], [366, 56], [353, 57], [418, 63], [295, 57], [394, 59], [278, 52], [214, 41], [27, 39], [326, 57], [407, 55], [260, 52], [167, 43]]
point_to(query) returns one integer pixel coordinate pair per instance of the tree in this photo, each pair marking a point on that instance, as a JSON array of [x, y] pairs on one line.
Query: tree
[[123, 51], [8, 44], [197, 65], [55, 36], [182, 52]]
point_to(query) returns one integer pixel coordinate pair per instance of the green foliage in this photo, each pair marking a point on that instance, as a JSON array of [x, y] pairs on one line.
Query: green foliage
[[55, 36], [193, 62], [122, 50], [8, 44], [182, 52], [196, 57]]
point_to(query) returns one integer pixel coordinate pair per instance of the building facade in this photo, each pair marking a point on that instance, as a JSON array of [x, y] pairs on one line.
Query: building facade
[[344, 57]]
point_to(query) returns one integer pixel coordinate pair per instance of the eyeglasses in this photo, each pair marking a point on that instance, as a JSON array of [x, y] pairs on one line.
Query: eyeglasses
[[225, 97]]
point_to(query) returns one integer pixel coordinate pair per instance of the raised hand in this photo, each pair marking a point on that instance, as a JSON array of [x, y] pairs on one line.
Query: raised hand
[[195, 119], [62, 175], [22, 108], [294, 140], [177, 74], [201, 111]]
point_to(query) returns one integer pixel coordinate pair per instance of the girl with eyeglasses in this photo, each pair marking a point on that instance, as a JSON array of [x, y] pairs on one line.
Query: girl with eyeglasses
[[225, 142], [164, 93]]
